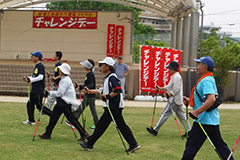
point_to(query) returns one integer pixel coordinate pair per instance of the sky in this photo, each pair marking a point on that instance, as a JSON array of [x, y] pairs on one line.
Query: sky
[[223, 13]]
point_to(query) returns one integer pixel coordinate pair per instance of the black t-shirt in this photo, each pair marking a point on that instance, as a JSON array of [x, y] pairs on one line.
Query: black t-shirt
[[56, 72], [38, 87], [90, 83]]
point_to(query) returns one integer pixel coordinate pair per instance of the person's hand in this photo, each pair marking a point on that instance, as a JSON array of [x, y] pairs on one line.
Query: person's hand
[[86, 90], [104, 97], [186, 100], [26, 79], [76, 84], [157, 87], [49, 74], [194, 113], [45, 93]]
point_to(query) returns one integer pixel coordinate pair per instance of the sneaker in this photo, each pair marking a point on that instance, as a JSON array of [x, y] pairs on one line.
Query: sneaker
[[92, 128], [134, 148], [86, 146], [84, 137], [44, 136], [152, 131], [67, 123], [28, 122]]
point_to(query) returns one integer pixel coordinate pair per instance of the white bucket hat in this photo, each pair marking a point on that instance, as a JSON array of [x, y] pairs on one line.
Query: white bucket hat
[[87, 64], [65, 68], [108, 60]]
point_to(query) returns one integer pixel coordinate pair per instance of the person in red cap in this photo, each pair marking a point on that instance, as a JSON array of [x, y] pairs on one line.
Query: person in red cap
[[37, 81], [174, 93]]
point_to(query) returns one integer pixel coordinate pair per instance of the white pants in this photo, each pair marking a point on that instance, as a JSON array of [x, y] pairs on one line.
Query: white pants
[[50, 99]]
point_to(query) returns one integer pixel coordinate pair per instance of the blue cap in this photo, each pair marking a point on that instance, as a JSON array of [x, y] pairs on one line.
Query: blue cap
[[38, 54], [206, 60]]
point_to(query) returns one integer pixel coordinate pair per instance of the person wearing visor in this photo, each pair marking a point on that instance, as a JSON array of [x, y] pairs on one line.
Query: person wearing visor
[[174, 91], [66, 101], [37, 81], [89, 99], [111, 94], [207, 89]]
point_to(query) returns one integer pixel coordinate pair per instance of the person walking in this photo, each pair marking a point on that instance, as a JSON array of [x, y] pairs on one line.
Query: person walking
[[89, 99], [122, 71], [55, 77], [174, 91], [37, 81], [206, 88], [66, 98], [111, 94]]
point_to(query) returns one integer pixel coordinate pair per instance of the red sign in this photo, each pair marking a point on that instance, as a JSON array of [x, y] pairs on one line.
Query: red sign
[[146, 68], [119, 41], [65, 19], [111, 40], [153, 67]]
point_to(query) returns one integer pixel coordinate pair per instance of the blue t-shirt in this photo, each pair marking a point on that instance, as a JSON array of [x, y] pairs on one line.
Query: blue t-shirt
[[206, 86], [121, 69]]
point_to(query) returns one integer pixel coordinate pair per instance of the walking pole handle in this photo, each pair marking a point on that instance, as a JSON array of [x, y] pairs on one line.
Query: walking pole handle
[[192, 116]]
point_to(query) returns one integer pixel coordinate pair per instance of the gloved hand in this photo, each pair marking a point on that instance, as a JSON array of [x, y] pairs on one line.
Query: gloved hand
[[45, 93], [103, 98]]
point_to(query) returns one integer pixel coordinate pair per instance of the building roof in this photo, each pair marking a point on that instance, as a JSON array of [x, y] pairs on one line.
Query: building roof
[[172, 9]]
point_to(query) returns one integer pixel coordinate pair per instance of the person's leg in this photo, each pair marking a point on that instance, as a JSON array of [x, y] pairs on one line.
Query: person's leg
[[30, 107], [57, 111], [164, 116], [122, 80], [38, 99], [181, 115], [91, 102], [194, 142], [80, 109], [101, 127], [50, 99], [123, 127], [218, 142], [70, 117]]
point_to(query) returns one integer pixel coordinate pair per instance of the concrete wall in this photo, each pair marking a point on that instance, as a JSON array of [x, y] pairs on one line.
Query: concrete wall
[[132, 83], [18, 37]]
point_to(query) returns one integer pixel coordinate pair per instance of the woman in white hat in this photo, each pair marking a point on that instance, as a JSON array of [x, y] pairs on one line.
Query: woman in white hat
[[89, 99], [66, 98]]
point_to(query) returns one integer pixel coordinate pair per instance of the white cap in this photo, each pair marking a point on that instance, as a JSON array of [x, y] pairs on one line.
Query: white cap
[[87, 64], [65, 68], [108, 60]]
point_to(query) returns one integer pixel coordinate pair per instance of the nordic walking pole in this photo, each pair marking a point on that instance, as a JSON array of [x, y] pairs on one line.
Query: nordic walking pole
[[84, 111], [154, 108], [230, 155], [38, 119], [187, 121], [117, 128], [174, 116], [215, 149], [73, 130]]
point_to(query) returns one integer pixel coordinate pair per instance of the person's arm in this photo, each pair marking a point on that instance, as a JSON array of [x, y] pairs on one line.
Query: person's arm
[[62, 87], [36, 79], [177, 84], [207, 104], [115, 83], [127, 69]]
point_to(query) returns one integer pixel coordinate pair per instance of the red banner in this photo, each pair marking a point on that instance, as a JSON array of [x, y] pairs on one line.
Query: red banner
[[146, 68], [157, 71], [65, 19], [153, 67], [119, 41], [111, 40]]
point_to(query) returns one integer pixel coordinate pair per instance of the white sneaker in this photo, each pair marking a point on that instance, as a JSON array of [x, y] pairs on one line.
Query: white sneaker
[[28, 122]]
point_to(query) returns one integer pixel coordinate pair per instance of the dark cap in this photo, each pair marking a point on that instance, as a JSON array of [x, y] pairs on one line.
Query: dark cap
[[173, 65], [120, 57]]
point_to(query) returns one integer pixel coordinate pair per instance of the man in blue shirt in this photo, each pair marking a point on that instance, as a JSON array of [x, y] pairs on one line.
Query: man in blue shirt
[[122, 71], [206, 87], [37, 81]]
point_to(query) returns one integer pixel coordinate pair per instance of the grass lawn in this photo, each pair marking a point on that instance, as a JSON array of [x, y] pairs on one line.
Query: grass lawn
[[16, 139]]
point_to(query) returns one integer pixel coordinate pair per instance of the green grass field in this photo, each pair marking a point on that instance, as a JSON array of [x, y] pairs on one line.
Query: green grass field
[[16, 139]]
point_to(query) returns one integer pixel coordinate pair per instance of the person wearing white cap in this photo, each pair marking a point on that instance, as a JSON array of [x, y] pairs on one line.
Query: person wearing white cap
[[37, 81], [66, 98], [111, 94], [89, 99]]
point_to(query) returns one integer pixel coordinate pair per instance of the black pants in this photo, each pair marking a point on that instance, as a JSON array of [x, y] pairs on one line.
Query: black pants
[[35, 99], [104, 122], [197, 137], [57, 112], [85, 102]]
